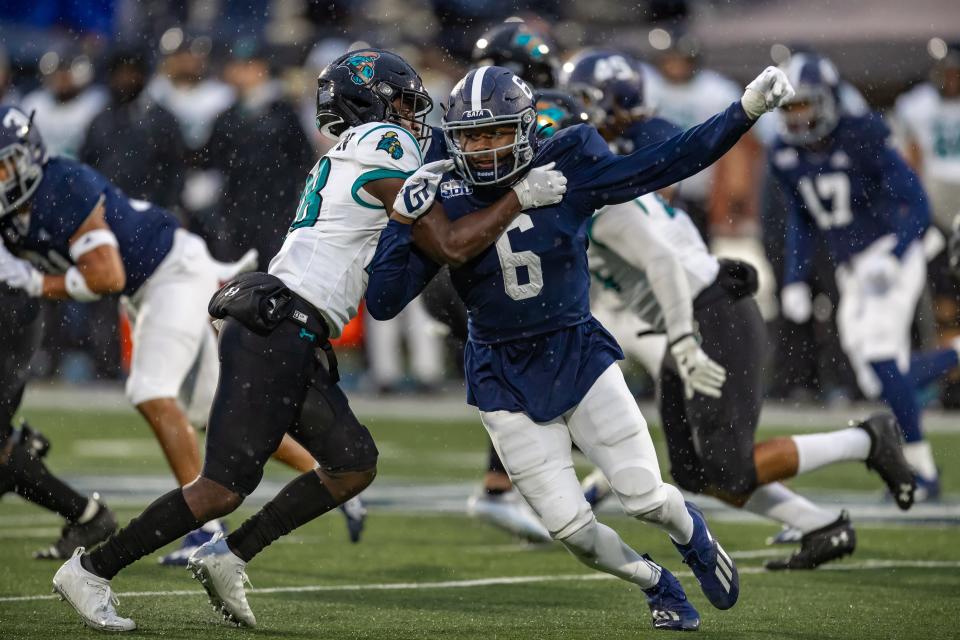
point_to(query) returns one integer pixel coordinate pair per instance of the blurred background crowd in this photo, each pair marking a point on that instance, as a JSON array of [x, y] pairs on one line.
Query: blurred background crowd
[[206, 107]]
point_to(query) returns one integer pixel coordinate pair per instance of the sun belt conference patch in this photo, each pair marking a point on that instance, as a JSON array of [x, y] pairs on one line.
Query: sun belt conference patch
[[390, 143]]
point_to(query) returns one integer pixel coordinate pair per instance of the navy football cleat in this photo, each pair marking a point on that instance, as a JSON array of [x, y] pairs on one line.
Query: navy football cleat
[[669, 606], [355, 513], [714, 569]]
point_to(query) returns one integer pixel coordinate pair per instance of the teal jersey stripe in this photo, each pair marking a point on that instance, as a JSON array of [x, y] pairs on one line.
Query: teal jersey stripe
[[370, 176]]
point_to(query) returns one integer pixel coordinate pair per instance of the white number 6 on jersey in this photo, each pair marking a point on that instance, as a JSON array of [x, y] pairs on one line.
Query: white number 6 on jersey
[[510, 261]]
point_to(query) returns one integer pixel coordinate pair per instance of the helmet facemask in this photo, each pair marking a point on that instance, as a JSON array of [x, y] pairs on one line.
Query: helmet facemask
[[508, 161], [810, 115], [409, 108], [19, 177]]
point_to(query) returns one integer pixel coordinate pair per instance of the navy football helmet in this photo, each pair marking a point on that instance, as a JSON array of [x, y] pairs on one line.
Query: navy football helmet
[[521, 49], [491, 97], [558, 110], [362, 86], [22, 156], [607, 82], [814, 111]]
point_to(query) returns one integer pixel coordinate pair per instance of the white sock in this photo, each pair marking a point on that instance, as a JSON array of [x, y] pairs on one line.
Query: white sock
[[920, 457], [777, 502], [89, 511], [817, 450], [600, 547]]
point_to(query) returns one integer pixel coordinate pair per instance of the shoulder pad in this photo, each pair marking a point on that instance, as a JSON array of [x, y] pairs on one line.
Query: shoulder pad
[[379, 145]]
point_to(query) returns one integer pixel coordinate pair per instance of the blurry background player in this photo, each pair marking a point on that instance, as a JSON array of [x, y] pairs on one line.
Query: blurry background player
[[22, 468], [87, 240], [843, 181], [662, 287], [929, 115]]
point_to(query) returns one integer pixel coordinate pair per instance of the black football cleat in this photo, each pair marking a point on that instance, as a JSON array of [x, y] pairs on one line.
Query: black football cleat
[[831, 542], [89, 534], [886, 458]]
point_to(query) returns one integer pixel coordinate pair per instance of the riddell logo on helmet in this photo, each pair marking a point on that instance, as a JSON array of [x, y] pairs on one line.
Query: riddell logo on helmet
[[476, 115]]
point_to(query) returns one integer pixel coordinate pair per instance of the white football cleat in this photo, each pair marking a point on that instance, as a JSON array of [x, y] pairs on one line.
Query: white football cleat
[[90, 595], [509, 512], [223, 575]]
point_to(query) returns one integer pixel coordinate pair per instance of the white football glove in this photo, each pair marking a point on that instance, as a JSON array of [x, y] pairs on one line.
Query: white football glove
[[418, 192], [20, 274], [700, 374], [796, 302], [768, 91], [541, 186], [877, 272]]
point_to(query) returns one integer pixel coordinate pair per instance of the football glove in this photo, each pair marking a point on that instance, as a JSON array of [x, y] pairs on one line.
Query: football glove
[[768, 91], [700, 374], [541, 186], [20, 274], [796, 302], [419, 191], [877, 272]]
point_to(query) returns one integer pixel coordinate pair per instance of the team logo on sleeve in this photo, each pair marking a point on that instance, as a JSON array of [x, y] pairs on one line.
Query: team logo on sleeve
[[362, 67], [391, 144]]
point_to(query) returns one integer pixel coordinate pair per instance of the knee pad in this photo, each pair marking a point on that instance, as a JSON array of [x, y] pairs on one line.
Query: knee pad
[[343, 485], [638, 487]]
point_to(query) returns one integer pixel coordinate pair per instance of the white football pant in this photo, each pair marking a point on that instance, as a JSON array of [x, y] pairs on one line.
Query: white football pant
[[609, 429], [875, 326]]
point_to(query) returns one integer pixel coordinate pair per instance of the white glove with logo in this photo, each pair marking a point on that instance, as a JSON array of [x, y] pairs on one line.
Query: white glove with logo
[[768, 91], [700, 374], [418, 192], [20, 274], [796, 302], [877, 272], [541, 186]]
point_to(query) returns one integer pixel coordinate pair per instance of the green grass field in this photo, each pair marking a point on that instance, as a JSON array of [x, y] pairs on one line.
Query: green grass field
[[430, 574]]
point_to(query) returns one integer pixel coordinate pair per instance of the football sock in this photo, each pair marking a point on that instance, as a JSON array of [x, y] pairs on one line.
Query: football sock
[[920, 458], [777, 502], [166, 519], [900, 395], [302, 500], [815, 450], [930, 366], [34, 482], [599, 547]]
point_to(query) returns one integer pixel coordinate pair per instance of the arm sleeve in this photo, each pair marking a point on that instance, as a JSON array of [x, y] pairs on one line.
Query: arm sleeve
[[800, 235], [906, 200], [398, 272], [630, 235], [601, 178]]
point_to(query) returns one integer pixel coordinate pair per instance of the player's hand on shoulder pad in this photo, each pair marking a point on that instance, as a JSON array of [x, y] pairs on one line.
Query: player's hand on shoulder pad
[[541, 186], [796, 302], [19, 274], [766, 92], [419, 191], [699, 372]]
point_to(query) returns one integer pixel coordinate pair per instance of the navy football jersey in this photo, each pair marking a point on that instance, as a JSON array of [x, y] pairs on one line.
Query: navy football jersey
[[854, 189], [534, 346], [66, 196]]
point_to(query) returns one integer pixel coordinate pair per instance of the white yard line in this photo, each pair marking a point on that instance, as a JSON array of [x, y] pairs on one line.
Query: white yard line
[[505, 581]]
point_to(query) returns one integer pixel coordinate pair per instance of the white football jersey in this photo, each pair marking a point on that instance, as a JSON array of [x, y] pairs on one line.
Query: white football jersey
[[652, 256], [337, 225], [934, 123], [688, 104]]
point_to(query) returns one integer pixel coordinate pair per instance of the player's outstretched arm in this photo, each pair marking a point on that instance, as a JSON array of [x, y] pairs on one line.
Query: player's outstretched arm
[[609, 179], [454, 242], [99, 269], [397, 273]]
